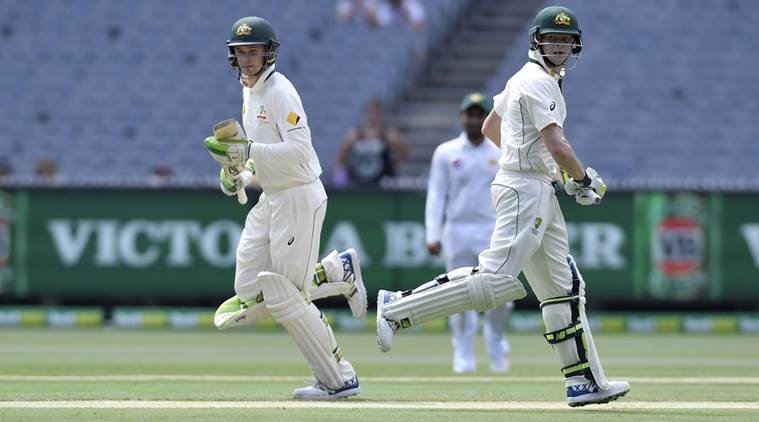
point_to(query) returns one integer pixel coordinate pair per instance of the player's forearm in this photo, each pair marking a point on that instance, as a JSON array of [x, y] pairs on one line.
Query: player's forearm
[[562, 152], [565, 157], [491, 128]]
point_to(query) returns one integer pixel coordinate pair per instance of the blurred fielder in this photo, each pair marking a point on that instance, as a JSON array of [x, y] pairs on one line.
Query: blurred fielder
[[530, 234], [460, 176], [278, 247]]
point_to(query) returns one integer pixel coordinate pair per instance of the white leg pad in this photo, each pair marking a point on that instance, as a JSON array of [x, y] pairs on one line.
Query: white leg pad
[[568, 331], [593, 359], [456, 291], [307, 326], [333, 270]]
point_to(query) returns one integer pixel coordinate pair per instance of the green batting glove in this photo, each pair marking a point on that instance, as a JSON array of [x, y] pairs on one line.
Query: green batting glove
[[250, 166], [228, 185], [227, 151]]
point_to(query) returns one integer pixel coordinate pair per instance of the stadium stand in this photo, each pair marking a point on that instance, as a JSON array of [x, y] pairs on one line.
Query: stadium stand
[[661, 97], [112, 89]]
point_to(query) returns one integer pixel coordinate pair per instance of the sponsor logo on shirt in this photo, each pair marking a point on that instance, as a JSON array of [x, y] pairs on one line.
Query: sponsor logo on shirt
[[261, 113], [536, 226]]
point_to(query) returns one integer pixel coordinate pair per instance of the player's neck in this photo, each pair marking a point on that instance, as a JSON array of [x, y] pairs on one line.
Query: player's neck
[[476, 141], [249, 81]]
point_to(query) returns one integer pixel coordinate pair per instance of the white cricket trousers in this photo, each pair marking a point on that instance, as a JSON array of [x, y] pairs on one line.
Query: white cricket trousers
[[530, 234], [281, 235]]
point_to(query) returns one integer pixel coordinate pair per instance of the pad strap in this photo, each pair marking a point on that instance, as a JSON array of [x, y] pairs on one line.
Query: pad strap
[[573, 331], [554, 337], [580, 368], [560, 299]]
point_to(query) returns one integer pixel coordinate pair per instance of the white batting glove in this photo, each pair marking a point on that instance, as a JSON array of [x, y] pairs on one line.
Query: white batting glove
[[588, 191]]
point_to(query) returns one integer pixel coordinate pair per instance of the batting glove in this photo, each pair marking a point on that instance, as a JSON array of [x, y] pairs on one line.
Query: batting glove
[[588, 191], [230, 184], [228, 151]]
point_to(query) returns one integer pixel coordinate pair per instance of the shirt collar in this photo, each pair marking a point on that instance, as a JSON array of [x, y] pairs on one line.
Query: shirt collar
[[538, 60], [262, 79]]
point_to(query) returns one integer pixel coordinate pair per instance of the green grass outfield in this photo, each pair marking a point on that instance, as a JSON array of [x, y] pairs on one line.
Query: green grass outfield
[[111, 374]]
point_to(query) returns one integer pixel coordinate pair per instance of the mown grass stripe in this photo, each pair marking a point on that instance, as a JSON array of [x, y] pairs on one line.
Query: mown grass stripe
[[357, 404], [384, 380]]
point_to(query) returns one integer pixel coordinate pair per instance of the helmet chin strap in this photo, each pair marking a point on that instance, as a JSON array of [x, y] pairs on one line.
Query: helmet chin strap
[[245, 79], [547, 64]]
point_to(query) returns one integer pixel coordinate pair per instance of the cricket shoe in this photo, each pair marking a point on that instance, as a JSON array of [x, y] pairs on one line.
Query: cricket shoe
[[352, 275], [319, 391], [385, 329], [499, 365], [589, 393], [464, 365]]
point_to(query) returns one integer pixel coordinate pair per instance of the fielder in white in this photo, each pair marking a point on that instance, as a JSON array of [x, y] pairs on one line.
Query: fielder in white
[[280, 242], [460, 175], [530, 234]]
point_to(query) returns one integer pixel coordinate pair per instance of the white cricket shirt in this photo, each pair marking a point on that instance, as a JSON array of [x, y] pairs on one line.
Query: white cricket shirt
[[458, 190], [276, 123], [531, 101]]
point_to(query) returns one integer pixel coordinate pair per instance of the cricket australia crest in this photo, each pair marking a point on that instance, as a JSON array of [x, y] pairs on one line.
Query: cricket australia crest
[[243, 30], [562, 19]]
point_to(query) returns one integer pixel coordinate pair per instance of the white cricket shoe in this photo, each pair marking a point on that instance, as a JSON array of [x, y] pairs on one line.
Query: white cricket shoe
[[385, 328], [589, 393], [464, 365], [352, 274], [319, 391], [500, 365]]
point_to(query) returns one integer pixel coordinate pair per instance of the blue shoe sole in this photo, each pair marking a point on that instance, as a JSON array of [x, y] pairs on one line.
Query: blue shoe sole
[[599, 401]]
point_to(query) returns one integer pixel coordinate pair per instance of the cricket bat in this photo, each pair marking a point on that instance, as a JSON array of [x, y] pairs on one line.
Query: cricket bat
[[230, 129]]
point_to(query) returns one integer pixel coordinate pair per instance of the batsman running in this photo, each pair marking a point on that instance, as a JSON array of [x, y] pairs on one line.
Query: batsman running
[[530, 234], [278, 248]]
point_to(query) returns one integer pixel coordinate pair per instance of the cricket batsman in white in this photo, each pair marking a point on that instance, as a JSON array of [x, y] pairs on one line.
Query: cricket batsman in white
[[460, 176], [530, 233], [279, 245]]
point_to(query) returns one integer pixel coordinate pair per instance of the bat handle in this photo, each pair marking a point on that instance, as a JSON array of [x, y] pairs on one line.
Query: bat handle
[[594, 196], [242, 197]]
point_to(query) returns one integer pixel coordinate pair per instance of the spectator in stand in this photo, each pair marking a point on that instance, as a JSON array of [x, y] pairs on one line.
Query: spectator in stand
[[382, 13], [162, 174], [369, 152], [385, 13], [5, 168], [46, 170], [350, 11]]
